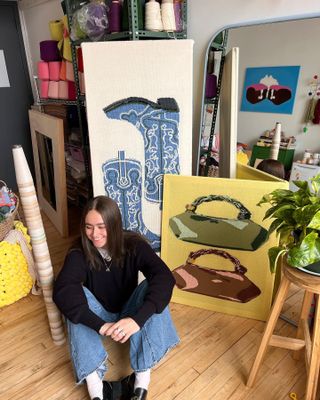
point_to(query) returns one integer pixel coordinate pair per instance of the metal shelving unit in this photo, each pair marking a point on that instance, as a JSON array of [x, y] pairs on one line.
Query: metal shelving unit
[[133, 33], [214, 102]]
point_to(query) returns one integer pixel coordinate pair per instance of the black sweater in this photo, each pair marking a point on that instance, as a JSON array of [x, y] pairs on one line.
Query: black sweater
[[112, 288]]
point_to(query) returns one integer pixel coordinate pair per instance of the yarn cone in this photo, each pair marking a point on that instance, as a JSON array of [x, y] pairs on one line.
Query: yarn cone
[[39, 244], [276, 142]]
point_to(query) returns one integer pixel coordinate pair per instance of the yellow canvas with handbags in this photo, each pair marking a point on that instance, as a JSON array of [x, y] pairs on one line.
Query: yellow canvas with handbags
[[231, 285], [239, 233]]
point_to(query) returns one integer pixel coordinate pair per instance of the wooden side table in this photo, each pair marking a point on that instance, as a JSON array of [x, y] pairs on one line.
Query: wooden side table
[[303, 339]]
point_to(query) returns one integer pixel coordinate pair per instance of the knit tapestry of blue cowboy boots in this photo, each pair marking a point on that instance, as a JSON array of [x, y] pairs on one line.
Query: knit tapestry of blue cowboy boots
[[140, 124]]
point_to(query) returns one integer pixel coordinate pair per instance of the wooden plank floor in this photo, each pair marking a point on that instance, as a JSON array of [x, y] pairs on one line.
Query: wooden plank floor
[[211, 362]]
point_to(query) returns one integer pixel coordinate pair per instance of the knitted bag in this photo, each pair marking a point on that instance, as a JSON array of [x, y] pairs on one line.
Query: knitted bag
[[7, 224], [15, 259]]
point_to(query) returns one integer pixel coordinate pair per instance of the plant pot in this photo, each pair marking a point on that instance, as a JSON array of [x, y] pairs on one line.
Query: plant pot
[[313, 269]]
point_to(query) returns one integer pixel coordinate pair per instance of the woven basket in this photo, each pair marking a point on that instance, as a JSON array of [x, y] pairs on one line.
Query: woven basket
[[7, 224]]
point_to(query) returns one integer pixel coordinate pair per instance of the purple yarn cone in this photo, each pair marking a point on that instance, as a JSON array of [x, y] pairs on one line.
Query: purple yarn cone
[[115, 17], [211, 86], [177, 7]]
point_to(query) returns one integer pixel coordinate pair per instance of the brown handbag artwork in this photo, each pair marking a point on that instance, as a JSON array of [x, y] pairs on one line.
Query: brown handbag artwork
[[226, 285]]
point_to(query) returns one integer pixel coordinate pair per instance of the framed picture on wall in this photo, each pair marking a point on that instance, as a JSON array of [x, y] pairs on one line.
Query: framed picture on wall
[[270, 89]]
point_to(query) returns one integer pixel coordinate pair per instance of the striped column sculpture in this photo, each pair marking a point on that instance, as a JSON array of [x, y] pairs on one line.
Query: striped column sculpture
[[37, 234]]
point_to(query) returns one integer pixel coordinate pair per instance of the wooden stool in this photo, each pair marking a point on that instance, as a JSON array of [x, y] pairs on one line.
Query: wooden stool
[[311, 285]]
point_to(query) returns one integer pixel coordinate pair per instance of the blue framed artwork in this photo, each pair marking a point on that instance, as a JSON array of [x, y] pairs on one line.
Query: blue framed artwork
[[270, 89]]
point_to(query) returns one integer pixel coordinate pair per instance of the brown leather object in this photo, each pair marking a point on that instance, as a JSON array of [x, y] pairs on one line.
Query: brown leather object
[[222, 284]]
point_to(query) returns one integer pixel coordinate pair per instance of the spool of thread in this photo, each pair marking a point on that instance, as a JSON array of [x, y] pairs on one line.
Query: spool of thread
[[65, 44], [43, 70], [53, 90], [81, 83], [56, 30], [72, 93], [306, 156], [211, 86], [276, 142], [80, 59], [44, 87], [49, 50], [54, 70], [167, 16], [63, 76], [115, 16], [63, 90], [177, 6], [153, 21], [69, 71]]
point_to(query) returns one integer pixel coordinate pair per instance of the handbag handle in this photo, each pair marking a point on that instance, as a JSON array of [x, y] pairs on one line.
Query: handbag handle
[[243, 214], [237, 266]]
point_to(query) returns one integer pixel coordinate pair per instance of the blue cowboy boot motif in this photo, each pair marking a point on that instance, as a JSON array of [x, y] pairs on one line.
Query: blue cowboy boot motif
[[122, 182], [159, 126]]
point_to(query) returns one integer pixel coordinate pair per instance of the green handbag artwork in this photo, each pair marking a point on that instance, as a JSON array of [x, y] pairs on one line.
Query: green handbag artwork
[[239, 233]]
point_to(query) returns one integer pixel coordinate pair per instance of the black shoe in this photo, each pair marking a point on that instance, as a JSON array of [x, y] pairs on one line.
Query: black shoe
[[107, 390], [127, 386], [139, 394]]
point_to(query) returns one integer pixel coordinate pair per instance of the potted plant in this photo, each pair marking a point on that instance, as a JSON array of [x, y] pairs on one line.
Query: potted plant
[[297, 223]]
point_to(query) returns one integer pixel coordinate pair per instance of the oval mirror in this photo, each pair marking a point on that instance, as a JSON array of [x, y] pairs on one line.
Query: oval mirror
[[278, 80]]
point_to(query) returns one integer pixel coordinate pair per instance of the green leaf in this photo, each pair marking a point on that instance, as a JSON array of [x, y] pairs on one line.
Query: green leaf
[[275, 225], [276, 196], [285, 213], [302, 197], [305, 214], [270, 211], [315, 183], [274, 253], [285, 233], [315, 221], [301, 184], [307, 253]]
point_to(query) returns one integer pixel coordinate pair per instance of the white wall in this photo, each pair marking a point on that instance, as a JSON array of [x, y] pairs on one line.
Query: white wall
[[205, 18], [279, 44]]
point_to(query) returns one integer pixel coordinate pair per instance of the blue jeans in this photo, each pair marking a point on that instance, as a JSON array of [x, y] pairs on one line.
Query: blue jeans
[[147, 346]]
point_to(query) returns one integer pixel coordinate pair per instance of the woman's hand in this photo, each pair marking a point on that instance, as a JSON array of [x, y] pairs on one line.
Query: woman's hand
[[121, 330], [105, 327]]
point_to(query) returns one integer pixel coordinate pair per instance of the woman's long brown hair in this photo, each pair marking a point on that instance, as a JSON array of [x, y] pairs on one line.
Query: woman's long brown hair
[[118, 241]]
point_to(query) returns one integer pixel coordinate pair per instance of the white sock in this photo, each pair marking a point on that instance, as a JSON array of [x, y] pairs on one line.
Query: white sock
[[142, 379], [95, 385]]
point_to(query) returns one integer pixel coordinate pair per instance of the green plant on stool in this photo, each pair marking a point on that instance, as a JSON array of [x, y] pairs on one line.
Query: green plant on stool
[[297, 223]]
